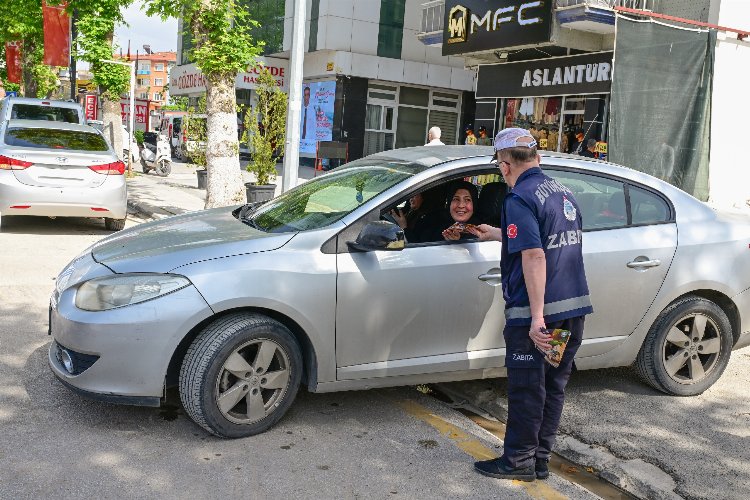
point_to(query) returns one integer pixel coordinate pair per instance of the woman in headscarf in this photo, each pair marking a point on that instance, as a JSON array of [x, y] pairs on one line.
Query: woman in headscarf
[[462, 196]]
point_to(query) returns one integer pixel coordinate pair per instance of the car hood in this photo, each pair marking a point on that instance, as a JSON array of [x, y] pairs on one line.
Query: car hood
[[167, 244]]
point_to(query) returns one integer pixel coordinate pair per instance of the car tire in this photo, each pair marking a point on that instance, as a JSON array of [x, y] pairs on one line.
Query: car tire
[[114, 224], [163, 168], [687, 348], [218, 397]]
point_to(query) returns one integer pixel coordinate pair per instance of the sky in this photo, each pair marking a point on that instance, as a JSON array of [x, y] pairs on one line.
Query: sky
[[143, 30]]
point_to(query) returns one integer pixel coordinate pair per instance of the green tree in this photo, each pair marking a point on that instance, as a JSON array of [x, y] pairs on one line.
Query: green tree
[[265, 128], [194, 128], [222, 47], [97, 20], [22, 21]]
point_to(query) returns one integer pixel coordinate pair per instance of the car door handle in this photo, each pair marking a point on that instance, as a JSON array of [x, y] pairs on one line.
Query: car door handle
[[493, 279], [644, 264]]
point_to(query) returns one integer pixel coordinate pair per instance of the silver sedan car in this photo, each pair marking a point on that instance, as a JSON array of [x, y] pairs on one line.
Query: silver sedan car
[[239, 305], [58, 169]]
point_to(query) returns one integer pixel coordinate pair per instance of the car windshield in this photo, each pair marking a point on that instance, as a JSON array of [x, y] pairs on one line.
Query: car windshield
[[42, 112], [43, 138], [326, 199]]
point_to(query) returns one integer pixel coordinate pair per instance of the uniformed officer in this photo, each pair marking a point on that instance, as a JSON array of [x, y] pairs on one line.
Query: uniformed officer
[[544, 286]]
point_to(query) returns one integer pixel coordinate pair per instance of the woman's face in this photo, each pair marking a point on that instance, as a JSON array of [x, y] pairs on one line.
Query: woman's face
[[462, 206]]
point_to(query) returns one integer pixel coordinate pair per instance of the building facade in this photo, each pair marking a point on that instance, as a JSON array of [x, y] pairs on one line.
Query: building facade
[[369, 82], [641, 77]]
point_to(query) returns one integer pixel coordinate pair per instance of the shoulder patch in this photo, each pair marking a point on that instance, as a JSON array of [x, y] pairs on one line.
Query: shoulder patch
[[512, 231], [568, 209]]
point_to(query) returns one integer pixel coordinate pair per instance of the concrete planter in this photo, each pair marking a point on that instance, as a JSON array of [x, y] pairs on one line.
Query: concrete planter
[[257, 192]]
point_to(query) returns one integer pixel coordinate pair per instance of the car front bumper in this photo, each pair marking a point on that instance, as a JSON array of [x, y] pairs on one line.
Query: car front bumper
[[132, 345], [109, 199]]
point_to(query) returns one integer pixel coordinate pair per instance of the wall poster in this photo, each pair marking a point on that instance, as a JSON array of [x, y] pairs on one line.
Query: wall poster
[[316, 115]]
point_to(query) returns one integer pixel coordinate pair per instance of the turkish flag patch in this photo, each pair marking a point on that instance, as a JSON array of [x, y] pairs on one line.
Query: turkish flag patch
[[512, 231]]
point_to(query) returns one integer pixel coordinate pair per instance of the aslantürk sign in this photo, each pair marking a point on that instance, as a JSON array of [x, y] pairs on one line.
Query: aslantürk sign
[[476, 25], [556, 76]]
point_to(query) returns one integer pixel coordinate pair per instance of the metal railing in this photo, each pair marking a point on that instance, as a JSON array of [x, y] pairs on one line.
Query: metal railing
[[432, 16], [609, 4]]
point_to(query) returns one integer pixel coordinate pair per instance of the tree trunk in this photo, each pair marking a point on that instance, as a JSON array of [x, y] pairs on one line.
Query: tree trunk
[[112, 128], [27, 62], [224, 186]]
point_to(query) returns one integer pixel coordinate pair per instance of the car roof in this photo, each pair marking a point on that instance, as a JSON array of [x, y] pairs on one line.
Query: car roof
[[51, 125], [51, 102]]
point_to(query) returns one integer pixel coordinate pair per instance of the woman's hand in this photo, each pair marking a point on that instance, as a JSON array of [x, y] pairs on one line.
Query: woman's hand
[[452, 233], [485, 232]]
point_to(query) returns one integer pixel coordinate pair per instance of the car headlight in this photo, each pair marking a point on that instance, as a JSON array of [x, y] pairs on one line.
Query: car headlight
[[109, 292]]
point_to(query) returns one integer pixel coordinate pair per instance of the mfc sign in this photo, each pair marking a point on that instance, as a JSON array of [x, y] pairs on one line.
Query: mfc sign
[[471, 27]]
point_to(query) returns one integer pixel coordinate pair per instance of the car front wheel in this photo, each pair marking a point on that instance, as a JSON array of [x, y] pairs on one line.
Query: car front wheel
[[240, 375], [687, 348]]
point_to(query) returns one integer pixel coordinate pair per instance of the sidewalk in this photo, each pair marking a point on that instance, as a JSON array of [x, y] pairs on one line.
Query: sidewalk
[[154, 197]]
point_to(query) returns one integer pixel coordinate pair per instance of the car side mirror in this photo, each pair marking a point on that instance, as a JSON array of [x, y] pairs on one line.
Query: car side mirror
[[379, 235]]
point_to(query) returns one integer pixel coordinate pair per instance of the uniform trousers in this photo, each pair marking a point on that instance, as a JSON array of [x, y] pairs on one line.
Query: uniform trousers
[[536, 393]]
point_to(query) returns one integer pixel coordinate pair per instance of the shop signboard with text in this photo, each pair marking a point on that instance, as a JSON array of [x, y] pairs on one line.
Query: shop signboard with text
[[476, 25], [556, 76], [189, 80], [316, 115], [90, 106], [141, 113]]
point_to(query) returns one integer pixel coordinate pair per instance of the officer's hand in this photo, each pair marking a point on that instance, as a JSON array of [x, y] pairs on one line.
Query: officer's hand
[[485, 232], [540, 339]]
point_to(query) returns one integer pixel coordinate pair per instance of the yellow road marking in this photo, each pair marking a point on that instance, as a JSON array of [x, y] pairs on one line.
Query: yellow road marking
[[474, 447]]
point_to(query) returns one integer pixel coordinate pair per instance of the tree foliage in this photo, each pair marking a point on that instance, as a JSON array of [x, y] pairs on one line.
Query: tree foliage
[[265, 128], [196, 135]]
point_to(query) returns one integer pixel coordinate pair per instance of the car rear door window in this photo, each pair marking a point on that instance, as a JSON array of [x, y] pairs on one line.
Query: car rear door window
[[647, 208], [601, 200], [41, 112], [43, 138]]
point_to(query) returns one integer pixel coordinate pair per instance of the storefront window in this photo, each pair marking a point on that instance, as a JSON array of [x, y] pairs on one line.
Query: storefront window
[[411, 127]]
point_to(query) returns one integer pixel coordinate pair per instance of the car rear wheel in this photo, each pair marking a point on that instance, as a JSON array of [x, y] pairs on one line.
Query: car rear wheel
[[240, 375], [114, 224], [687, 348]]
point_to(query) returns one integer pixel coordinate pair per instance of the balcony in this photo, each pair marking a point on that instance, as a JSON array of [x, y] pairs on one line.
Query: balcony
[[595, 16], [432, 23], [144, 72]]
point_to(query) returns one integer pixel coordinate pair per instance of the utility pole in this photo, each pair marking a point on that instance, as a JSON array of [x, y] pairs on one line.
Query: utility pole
[[297, 57], [72, 72]]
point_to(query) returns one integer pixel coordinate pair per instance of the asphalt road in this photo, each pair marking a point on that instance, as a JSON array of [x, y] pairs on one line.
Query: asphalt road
[[368, 444]]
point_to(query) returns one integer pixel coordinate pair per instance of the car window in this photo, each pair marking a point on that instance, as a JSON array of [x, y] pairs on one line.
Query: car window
[[646, 207], [43, 138], [601, 200], [326, 199], [40, 112]]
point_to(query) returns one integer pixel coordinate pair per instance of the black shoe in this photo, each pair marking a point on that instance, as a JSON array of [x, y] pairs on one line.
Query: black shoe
[[541, 467], [498, 469]]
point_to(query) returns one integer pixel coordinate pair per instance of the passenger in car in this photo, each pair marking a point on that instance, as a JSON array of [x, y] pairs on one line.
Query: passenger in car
[[462, 196]]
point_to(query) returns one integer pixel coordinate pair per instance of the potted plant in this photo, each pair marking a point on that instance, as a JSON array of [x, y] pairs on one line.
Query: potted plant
[[265, 133]]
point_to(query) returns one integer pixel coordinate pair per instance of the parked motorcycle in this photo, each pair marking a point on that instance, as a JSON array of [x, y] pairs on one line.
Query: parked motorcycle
[[156, 154]]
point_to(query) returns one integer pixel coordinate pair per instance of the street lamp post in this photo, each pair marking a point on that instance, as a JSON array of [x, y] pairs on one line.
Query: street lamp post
[[291, 151], [132, 107]]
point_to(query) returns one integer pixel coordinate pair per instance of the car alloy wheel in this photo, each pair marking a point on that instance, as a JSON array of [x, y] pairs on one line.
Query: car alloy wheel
[[240, 375], [251, 381], [687, 348]]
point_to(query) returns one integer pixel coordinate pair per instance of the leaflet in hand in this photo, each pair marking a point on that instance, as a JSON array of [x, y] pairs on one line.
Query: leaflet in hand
[[558, 342]]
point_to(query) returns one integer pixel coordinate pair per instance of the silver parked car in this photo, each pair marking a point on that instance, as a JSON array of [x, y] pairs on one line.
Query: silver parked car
[[238, 306], [60, 169]]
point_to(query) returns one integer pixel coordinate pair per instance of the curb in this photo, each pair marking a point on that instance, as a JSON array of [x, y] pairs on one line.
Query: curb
[[639, 478]]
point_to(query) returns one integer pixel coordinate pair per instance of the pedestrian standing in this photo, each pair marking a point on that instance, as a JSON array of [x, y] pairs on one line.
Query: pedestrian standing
[[433, 137], [544, 286], [471, 139], [483, 140]]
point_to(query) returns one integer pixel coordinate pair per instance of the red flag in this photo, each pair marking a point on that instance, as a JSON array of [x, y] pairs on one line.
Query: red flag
[[56, 35], [13, 61]]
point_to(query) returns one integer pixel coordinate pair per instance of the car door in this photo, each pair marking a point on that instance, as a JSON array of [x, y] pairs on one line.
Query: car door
[[418, 310], [629, 241]]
